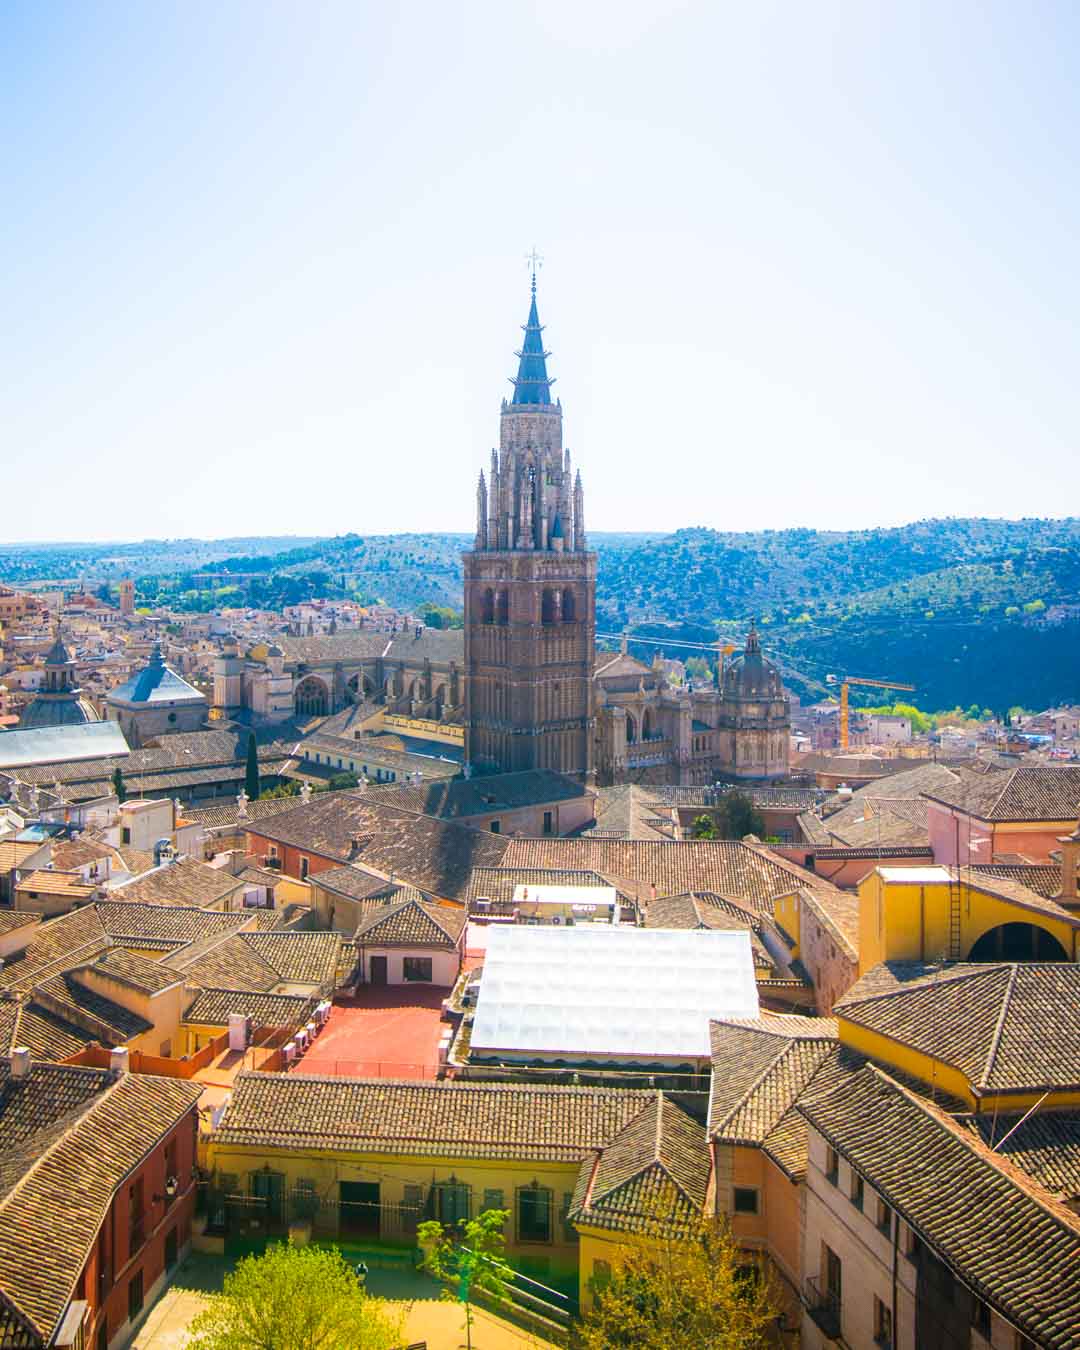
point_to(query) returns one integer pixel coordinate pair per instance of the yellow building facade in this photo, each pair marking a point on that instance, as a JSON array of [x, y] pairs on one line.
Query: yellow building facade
[[938, 913]]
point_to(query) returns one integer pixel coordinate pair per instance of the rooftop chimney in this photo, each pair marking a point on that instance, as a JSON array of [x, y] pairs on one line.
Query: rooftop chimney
[[20, 1062]]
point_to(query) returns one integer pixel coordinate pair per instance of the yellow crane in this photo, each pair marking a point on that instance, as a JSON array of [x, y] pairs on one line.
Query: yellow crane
[[847, 680]]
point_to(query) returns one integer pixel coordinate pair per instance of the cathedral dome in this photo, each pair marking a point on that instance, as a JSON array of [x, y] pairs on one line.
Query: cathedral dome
[[751, 675]]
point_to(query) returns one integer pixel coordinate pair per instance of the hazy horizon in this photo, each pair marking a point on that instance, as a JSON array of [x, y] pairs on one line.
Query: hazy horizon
[[804, 268], [126, 542]]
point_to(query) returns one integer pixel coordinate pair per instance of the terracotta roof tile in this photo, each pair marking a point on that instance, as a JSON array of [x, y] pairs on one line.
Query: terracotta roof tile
[[1007, 1028], [412, 923], [654, 1172], [77, 1174], [185, 881], [213, 1006], [491, 1120]]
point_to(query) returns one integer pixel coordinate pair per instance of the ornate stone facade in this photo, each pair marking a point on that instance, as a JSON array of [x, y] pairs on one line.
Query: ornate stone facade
[[530, 591]]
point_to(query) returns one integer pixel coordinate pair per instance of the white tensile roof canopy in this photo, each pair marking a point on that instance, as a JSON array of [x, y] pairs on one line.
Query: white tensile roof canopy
[[610, 991]]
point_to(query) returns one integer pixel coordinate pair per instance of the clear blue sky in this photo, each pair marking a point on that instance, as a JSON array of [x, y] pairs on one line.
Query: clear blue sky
[[805, 264]]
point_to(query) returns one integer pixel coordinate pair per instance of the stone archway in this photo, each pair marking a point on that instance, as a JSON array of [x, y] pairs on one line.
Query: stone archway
[[631, 728], [311, 697], [1017, 942], [647, 731], [360, 686]]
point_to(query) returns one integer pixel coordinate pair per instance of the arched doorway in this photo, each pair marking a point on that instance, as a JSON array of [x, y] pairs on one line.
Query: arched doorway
[[312, 698], [1017, 942]]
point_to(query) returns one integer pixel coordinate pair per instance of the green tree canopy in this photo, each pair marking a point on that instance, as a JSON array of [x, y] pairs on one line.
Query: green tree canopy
[[696, 1291], [295, 1298], [703, 827], [736, 816]]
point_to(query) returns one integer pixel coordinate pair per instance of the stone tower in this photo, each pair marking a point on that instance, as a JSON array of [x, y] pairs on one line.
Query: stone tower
[[530, 591], [127, 596]]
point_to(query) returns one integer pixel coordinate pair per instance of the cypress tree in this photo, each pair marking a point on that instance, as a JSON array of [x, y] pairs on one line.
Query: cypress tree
[[118, 785], [251, 779]]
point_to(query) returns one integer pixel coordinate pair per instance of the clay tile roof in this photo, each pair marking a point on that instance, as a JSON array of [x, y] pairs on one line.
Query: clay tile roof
[[147, 977], [1042, 878], [60, 942], [1003, 1234], [224, 962], [213, 1006], [737, 870], [185, 881], [306, 958], [414, 922], [655, 1172], [1030, 792], [11, 920], [68, 998], [490, 1120], [1046, 1146], [14, 852], [44, 1033], [360, 645], [838, 913], [450, 799], [434, 855], [1016, 893], [135, 923], [351, 881], [68, 854], [707, 910], [47, 882], [759, 1069], [1007, 1028], [77, 1171]]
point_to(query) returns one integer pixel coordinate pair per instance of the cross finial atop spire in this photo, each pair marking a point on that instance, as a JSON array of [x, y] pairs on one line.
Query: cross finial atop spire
[[533, 261]]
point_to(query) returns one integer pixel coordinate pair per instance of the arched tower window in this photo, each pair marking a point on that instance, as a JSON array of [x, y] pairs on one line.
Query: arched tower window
[[487, 606], [569, 607], [547, 606], [503, 608], [647, 725]]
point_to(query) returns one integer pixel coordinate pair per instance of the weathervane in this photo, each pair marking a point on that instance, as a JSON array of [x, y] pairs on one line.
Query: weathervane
[[533, 260]]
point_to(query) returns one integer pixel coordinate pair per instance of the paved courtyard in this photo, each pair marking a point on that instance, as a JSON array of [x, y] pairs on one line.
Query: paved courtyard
[[381, 1032], [428, 1318]]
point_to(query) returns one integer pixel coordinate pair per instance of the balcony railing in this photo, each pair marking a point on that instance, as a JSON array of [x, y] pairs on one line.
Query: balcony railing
[[823, 1305]]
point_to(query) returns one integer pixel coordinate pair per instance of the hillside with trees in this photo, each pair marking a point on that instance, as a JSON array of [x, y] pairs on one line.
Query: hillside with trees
[[969, 610]]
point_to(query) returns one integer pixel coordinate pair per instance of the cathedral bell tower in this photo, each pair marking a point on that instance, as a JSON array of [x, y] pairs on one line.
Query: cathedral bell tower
[[530, 591]]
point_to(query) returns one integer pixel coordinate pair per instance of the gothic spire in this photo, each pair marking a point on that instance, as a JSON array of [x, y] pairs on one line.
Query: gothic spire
[[532, 384]]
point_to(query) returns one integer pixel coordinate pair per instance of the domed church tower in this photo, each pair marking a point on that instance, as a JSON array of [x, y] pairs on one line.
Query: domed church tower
[[530, 590], [755, 715]]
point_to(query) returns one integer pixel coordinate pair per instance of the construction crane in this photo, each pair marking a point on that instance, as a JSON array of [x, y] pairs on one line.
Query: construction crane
[[847, 680]]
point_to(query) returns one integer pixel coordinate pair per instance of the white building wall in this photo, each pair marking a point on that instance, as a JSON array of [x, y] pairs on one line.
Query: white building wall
[[444, 965], [865, 1252]]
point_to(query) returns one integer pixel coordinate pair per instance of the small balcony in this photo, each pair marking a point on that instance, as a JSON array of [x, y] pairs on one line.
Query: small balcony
[[823, 1305]]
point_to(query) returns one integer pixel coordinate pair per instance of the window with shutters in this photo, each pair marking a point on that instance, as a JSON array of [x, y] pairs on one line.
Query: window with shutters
[[450, 1200], [494, 1199], [534, 1213]]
